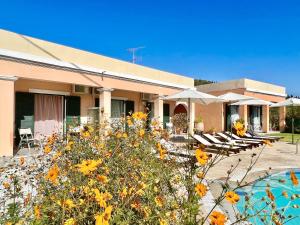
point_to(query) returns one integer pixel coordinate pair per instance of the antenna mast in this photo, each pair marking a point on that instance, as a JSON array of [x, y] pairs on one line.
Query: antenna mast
[[133, 52]]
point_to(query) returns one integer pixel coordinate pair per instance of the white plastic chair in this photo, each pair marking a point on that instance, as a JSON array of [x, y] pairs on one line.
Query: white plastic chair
[[26, 137]]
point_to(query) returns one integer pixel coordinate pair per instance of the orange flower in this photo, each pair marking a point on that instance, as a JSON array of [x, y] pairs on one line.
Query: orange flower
[[294, 178], [37, 212], [47, 149], [201, 190], [201, 156], [53, 174], [22, 161], [103, 179], [217, 218], [6, 185], [88, 166], [232, 197], [159, 201], [141, 132], [268, 142], [270, 195]]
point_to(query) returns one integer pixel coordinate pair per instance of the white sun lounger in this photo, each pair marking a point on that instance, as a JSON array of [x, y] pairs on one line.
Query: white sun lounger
[[217, 141], [253, 143], [243, 139]]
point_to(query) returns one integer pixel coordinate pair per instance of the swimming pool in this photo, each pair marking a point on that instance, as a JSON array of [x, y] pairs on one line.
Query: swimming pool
[[277, 186]]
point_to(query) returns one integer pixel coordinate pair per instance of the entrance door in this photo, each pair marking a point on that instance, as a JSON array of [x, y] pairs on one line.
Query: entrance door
[[166, 118]]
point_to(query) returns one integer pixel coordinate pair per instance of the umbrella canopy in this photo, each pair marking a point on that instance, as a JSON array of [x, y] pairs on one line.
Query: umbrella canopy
[[234, 97], [253, 102], [192, 95], [288, 102]]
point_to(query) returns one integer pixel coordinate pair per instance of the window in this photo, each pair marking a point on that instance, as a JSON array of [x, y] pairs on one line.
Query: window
[[117, 108]]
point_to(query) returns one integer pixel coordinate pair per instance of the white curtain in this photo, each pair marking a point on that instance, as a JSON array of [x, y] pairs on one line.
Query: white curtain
[[48, 115]]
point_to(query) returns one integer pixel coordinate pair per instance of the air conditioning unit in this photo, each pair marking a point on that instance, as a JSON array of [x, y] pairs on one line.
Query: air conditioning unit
[[146, 97], [80, 89]]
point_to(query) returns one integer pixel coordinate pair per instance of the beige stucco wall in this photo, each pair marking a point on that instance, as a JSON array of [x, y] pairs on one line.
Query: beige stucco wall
[[25, 44]]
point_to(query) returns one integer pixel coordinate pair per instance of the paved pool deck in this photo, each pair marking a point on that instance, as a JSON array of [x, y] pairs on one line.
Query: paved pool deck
[[280, 156]]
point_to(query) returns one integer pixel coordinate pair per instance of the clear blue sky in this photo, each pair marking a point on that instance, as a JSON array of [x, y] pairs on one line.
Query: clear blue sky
[[209, 39]]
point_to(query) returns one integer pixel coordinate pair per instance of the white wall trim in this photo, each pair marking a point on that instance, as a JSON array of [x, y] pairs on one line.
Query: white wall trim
[[8, 78], [49, 92], [99, 72], [119, 98], [265, 92]]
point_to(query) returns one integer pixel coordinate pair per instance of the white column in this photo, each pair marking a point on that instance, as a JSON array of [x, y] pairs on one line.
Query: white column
[[7, 115], [265, 118], [105, 104], [159, 109]]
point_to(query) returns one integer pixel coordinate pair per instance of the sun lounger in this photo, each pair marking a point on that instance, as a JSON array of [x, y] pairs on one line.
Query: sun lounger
[[229, 139], [235, 137], [264, 137], [217, 141], [206, 143]]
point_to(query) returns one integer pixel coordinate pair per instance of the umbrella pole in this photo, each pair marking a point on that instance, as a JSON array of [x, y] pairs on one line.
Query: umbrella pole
[[189, 119], [293, 126]]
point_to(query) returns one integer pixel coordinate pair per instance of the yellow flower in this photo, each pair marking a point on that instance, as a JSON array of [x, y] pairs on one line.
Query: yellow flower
[[201, 190], [47, 149], [129, 122], [123, 193], [125, 135], [103, 219], [103, 179], [232, 197], [141, 132], [163, 222], [69, 204], [88, 166], [57, 155], [217, 218], [69, 146], [53, 174], [101, 197], [37, 212], [8, 223], [240, 129], [139, 116], [159, 201], [70, 221], [201, 156], [119, 135]]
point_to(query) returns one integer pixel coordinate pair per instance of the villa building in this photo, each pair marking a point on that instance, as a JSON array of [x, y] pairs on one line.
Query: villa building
[[217, 116], [45, 86]]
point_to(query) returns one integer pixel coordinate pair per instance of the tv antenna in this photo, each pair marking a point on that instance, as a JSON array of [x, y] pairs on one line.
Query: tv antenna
[[133, 52]]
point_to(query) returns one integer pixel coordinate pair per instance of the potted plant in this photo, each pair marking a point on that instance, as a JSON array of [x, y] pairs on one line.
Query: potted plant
[[199, 125], [179, 122]]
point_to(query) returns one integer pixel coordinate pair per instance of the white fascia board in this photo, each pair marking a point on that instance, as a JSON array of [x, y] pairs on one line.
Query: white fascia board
[[49, 92], [266, 92], [99, 72]]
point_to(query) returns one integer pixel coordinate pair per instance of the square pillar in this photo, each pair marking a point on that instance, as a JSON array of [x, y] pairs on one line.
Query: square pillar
[[243, 112], [105, 104], [7, 115], [159, 109], [265, 118], [282, 115]]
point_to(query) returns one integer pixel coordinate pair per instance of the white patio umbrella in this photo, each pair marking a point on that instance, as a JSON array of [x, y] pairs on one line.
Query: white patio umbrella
[[289, 102], [253, 102], [231, 98], [193, 96]]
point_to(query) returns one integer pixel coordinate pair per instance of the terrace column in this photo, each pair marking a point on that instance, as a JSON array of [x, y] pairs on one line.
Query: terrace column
[[243, 113], [7, 115], [105, 104], [159, 109], [265, 118], [282, 115]]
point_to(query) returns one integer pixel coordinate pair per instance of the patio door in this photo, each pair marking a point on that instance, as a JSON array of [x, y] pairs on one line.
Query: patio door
[[255, 118], [72, 112], [48, 115], [166, 118], [232, 115]]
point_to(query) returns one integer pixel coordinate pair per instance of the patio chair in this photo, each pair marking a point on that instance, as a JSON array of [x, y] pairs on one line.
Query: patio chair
[[27, 138], [206, 143], [235, 137], [229, 139], [217, 141]]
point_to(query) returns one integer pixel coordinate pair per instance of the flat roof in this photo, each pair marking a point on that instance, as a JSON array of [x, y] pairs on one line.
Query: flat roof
[[23, 47], [244, 83]]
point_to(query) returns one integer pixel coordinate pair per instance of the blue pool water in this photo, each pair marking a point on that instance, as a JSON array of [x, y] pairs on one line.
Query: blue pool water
[[258, 190]]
